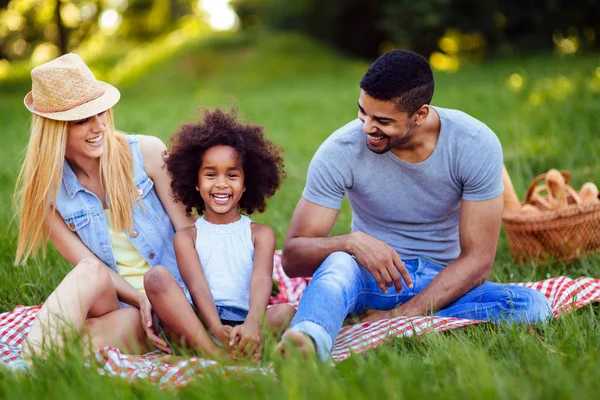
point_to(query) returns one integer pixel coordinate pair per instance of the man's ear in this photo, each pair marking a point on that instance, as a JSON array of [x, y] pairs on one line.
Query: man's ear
[[421, 114]]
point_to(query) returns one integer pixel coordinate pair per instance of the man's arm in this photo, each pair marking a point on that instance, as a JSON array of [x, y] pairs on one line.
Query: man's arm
[[479, 230], [307, 246]]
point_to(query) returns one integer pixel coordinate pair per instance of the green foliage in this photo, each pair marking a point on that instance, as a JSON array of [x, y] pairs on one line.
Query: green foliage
[[301, 92], [366, 28], [36, 29]]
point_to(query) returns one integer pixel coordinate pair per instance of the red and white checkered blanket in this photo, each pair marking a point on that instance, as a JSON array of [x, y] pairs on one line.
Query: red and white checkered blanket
[[565, 294]]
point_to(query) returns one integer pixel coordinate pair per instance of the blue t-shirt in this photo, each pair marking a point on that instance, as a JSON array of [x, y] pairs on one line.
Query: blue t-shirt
[[415, 208]]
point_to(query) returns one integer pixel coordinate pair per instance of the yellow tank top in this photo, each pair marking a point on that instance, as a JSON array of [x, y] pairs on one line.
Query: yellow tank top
[[132, 266]]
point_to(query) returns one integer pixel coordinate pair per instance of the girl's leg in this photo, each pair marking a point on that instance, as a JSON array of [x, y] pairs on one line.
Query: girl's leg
[[175, 312], [278, 318], [85, 300]]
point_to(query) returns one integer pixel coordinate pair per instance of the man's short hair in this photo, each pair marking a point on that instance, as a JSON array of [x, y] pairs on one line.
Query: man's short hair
[[400, 75]]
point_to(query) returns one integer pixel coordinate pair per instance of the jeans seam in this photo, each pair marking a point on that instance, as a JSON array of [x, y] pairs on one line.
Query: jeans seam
[[514, 298], [308, 320]]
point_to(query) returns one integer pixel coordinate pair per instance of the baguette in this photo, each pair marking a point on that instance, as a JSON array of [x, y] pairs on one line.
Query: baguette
[[589, 193], [557, 194], [529, 209], [511, 201]]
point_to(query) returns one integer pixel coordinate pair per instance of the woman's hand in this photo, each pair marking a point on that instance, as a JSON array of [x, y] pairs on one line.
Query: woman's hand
[[245, 339], [146, 314]]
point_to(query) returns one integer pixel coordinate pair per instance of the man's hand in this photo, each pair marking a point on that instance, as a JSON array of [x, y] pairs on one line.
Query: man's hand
[[245, 339], [380, 259], [146, 315]]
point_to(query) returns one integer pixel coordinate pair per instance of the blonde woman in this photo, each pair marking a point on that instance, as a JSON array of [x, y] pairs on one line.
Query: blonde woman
[[103, 199]]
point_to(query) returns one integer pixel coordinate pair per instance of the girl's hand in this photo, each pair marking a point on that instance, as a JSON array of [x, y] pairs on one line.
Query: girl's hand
[[222, 334], [146, 315], [246, 340]]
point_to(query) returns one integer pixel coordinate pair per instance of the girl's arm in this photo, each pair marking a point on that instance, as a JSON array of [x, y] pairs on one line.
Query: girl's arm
[[261, 283], [152, 150], [247, 335], [194, 279]]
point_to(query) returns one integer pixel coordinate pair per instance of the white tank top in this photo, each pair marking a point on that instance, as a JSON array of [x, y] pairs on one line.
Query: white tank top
[[226, 255]]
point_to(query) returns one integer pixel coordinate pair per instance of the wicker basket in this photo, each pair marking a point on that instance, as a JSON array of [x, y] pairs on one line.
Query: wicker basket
[[561, 235]]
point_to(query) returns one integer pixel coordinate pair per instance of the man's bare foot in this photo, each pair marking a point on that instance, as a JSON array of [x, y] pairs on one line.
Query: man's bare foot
[[296, 342], [375, 315], [170, 359]]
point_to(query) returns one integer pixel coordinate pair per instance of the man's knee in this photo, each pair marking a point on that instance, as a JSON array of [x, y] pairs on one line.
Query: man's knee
[[157, 279], [339, 264], [528, 305], [339, 271], [537, 306]]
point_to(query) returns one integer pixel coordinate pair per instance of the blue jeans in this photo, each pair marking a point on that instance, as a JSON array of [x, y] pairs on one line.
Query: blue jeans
[[341, 287]]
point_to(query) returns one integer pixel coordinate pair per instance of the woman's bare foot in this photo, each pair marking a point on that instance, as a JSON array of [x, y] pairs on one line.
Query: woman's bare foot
[[293, 341]]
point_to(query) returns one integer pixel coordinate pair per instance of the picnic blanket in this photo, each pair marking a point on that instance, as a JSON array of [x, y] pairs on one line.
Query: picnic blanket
[[566, 294]]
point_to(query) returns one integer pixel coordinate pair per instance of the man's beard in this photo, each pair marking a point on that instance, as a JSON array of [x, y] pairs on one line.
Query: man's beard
[[390, 145]]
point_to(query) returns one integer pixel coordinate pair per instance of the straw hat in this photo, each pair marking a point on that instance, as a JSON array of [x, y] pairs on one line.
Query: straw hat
[[65, 89]]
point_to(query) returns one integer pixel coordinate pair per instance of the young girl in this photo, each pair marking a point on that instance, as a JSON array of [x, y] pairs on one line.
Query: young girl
[[220, 167]]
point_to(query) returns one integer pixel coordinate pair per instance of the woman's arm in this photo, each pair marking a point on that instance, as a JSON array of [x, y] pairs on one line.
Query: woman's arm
[[152, 150], [194, 279], [72, 249], [70, 246]]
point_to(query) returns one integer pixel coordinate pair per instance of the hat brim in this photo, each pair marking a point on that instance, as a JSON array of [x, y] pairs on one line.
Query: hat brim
[[110, 97]]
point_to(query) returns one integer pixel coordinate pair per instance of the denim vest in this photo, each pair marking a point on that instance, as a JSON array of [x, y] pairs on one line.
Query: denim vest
[[153, 231]]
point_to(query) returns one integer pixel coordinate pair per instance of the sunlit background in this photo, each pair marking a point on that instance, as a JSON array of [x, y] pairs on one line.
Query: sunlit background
[[132, 35]]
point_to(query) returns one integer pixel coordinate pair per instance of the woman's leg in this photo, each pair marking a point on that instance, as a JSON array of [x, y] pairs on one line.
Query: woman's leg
[[85, 301], [120, 328], [175, 312]]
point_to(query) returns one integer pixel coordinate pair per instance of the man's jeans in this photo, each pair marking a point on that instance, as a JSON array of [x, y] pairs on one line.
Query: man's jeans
[[341, 287]]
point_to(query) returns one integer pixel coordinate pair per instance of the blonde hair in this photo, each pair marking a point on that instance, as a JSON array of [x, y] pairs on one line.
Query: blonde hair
[[40, 178]]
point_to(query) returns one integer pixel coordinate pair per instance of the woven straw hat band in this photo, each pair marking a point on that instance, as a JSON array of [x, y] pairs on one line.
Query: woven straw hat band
[[63, 84]]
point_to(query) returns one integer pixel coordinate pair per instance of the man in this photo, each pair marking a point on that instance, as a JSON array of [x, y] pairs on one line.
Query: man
[[425, 187]]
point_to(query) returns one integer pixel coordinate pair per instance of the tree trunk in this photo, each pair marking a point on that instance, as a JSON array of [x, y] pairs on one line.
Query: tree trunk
[[62, 32]]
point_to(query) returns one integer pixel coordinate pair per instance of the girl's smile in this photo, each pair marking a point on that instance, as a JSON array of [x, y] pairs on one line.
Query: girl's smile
[[221, 184]]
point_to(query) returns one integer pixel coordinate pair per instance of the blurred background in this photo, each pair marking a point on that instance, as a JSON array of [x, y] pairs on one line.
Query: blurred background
[[528, 69], [446, 31]]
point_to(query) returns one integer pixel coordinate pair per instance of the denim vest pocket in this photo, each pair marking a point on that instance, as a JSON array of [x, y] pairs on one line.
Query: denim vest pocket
[[151, 202], [144, 185], [77, 223]]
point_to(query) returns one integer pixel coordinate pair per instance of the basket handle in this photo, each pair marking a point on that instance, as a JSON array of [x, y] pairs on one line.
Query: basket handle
[[574, 194], [539, 178]]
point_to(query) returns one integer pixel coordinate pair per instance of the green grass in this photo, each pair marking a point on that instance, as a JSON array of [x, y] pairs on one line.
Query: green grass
[[301, 92]]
